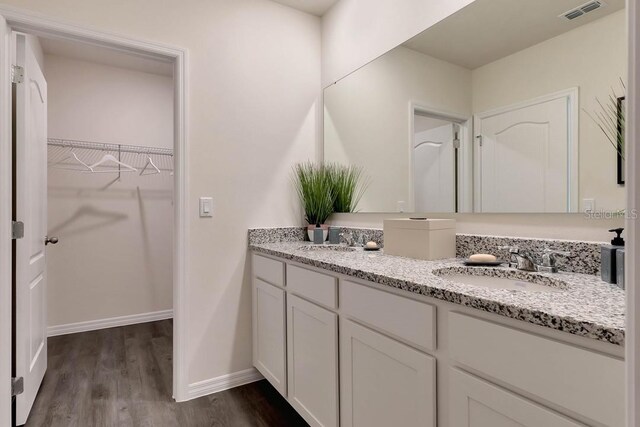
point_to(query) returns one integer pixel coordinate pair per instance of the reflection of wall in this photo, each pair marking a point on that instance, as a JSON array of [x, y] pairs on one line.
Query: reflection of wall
[[355, 32], [370, 111], [592, 57], [115, 252]]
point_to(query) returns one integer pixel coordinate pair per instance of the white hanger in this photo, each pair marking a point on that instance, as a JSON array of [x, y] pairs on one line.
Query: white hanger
[[123, 167], [72, 155], [153, 171]]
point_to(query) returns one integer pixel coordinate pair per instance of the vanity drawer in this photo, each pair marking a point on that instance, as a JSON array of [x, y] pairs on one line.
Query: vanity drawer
[[582, 381], [312, 285], [268, 269], [404, 318]]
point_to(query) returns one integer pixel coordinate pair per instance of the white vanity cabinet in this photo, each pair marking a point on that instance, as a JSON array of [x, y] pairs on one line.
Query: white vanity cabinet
[[384, 382], [312, 361], [269, 327], [350, 353], [478, 403], [578, 380]]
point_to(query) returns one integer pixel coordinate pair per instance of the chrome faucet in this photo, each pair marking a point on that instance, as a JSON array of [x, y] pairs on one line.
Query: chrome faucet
[[347, 238], [520, 259], [526, 261]]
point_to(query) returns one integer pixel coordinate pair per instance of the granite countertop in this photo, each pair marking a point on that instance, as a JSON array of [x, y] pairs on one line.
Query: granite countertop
[[585, 305]]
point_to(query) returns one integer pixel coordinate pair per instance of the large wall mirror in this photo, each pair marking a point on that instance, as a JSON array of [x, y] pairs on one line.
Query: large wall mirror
[[505, 106]]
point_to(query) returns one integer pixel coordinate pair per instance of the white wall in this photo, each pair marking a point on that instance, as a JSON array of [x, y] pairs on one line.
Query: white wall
[[367, 118], [592, 57], [114, 257], [354, 32], [254, 82]]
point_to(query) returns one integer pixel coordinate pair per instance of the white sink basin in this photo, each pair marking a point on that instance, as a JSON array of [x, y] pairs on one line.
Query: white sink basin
[[499, 283]]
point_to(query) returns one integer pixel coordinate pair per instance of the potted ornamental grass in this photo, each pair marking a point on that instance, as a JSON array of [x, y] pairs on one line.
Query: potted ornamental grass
[[313, 185], [325, 189], [348, 185]]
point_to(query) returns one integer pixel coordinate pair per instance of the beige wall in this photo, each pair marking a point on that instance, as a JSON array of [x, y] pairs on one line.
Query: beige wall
[[115, 252], [592, 57], [254, 82], [367, 118]]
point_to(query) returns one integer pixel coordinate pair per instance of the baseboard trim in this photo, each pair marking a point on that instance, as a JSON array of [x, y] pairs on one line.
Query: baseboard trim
[[111, 322], [223, 382]]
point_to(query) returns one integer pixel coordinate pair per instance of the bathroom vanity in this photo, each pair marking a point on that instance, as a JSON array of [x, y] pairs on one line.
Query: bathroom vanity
[[355, 338]]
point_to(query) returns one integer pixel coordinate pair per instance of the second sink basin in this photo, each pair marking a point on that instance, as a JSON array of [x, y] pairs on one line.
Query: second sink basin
[[509, 279], [500, 283]]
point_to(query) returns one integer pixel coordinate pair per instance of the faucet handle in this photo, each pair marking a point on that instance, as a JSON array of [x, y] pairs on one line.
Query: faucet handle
[[348, 238], [512, 249], [549, 257]]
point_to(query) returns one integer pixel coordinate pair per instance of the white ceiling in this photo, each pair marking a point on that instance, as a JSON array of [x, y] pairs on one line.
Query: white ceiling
[[488, 30], [105, 56], [314, 7]]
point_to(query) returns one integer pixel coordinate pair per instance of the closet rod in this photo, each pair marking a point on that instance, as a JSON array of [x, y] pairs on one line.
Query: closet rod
[[89, 145]]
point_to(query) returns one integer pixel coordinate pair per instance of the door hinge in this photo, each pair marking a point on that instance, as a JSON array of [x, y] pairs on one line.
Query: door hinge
[[17, 230], [17, 386], [456, 140], [17, 74]]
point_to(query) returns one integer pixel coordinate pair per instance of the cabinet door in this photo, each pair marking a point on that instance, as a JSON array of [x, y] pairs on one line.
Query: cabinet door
[[312, 353], [475, 402], [269, 342], [383, 382]]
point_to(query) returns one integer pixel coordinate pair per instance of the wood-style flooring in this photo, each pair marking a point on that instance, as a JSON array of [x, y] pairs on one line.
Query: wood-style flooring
[[122, 377]]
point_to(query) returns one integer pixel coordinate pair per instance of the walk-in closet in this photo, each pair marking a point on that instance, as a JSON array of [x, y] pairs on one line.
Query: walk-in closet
[[108, 254]]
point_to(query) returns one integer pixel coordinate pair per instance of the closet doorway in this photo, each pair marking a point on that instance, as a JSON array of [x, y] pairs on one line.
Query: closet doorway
[[102, 149], [439, 159]]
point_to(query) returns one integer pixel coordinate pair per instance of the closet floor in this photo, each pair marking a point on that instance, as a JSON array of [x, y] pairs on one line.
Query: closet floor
[[122, 377]]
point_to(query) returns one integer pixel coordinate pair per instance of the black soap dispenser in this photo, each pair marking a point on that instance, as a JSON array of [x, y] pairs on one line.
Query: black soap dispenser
[[608, 257]]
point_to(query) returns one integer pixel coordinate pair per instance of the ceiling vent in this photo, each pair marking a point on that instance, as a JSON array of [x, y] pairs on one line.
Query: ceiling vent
[[581, 10]]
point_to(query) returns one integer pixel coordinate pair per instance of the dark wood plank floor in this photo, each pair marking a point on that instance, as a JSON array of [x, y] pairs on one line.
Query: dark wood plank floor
[[122, 377]]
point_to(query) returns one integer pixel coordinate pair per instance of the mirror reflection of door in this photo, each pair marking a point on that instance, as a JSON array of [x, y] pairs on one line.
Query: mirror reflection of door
[[524, 157], [434, 165]]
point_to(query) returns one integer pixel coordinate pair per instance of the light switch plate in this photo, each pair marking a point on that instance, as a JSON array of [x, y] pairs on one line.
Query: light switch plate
[[206, 207]]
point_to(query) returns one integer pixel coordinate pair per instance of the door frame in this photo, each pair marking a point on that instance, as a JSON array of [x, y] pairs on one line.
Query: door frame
[[464, 154], [632, 251], [39, 25], [572, 95]]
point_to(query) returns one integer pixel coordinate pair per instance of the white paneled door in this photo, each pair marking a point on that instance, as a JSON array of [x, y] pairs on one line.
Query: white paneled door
[[434, 170], [31, 208], [525, 157]]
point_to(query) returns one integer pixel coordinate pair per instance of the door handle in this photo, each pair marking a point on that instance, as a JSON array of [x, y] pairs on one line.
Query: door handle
[[52, 240]]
